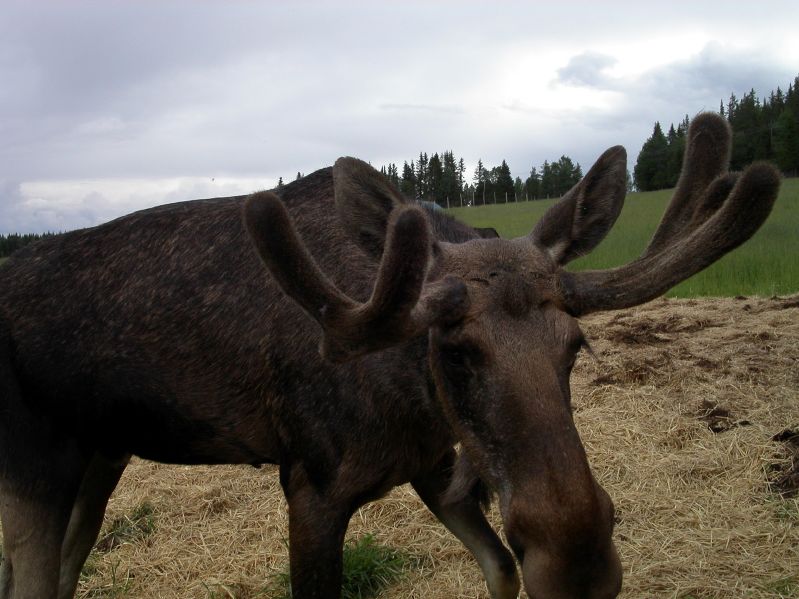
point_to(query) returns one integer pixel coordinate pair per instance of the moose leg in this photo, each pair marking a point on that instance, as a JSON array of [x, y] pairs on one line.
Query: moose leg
[[317, 525], [40, 472], [35, 513], [98, 483], [466, 521], [5, 579]]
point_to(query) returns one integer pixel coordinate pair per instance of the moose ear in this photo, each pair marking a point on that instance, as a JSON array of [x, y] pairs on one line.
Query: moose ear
[[581, 219], [364, 200]]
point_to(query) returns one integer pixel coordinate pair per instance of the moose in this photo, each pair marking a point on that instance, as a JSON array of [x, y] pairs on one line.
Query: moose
[[351, 337]]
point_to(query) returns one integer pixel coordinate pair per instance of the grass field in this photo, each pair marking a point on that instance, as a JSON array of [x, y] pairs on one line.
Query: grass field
[[768, 264]]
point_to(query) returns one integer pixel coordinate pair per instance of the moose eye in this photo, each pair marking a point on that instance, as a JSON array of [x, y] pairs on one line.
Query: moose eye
[[462, 358], [453, 356]]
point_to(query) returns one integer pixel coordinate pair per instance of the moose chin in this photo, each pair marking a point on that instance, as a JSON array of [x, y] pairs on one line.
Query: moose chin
[[351, 337]]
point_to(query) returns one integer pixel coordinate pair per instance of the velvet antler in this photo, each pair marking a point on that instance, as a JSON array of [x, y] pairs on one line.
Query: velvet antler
[[401, 306], [712, 212]]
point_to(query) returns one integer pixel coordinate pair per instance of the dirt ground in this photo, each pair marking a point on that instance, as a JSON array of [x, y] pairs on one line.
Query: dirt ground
[[689, 412]]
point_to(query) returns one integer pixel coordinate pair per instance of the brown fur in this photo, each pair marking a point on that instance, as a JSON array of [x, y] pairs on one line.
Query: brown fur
[[161, 334]]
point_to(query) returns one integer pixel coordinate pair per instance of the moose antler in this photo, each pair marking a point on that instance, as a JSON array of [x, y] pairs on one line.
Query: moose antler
[[401, 306], [711, 213]]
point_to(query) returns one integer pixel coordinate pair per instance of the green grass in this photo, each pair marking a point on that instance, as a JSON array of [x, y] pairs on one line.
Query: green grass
[[768, 264], [785, 509], [137, 525], [368, 569], [118, 587], [129, 528], [785, 587]]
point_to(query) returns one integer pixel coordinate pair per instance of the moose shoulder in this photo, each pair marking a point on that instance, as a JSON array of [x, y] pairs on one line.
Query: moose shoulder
[[189, 334]]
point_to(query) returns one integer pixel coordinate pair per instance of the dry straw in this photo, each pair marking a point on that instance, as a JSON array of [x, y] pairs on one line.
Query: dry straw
[[678, 413]]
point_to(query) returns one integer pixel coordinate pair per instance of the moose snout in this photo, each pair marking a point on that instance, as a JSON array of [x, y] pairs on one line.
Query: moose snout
[[546, 576], [568, 554]]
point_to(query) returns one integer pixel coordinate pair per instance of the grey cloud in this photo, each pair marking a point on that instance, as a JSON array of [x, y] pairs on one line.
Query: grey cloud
[[10, 200], [586, 69], [245, 89], [413, 108], [666, 94], [198, 89], [713, 74], [22, 214]]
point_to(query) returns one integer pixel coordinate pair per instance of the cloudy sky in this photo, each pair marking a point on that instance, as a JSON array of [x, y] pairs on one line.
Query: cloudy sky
[[109, 107]]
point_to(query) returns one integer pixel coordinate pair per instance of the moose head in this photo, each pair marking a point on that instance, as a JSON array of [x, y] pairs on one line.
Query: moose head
[[500, 322]]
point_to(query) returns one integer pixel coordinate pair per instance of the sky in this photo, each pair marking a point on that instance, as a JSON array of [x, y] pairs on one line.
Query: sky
[[110, 107]]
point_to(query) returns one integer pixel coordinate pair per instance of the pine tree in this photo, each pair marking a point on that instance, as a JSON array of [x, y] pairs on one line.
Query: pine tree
[[777, 101], [421, 176], [649, 172], [450, 188], [279, 182], [408, 183], [392, 173], [435, 173], [792, 97], [479, 182], [676, 148], [532, 186], [732, 105], [547, 181], [518, 189], [567, 174], [504, 185], [577, 175], [786, 142], [490, 185], [750, 140]]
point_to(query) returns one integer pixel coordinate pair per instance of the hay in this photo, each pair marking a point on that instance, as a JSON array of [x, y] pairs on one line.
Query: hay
[[680, 431], [697, 516]]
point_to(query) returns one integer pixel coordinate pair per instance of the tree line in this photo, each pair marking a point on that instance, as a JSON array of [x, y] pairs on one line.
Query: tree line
[[441, 178], [11, 243], [763, 129]]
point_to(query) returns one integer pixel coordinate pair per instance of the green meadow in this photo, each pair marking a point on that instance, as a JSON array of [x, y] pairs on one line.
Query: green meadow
[[767, 264]]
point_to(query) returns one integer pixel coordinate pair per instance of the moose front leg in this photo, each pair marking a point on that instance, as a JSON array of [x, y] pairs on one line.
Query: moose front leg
[[317, 524], [98, 483], [466, 521], [35, 516], [5, 579]]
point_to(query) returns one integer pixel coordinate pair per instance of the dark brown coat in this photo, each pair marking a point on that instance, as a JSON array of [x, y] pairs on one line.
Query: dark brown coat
[[162, 334]]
